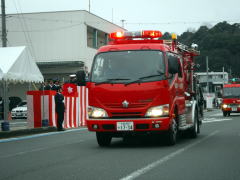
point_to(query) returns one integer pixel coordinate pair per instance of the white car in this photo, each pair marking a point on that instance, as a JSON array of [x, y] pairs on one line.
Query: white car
[[20, 111]]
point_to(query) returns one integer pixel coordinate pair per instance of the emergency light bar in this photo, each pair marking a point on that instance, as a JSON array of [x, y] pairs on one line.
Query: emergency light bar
[[135, 34]]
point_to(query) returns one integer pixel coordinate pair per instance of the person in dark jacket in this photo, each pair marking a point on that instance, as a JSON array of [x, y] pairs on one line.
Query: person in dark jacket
[[56, 85], [60, 108], [49, 84], [81, 78]]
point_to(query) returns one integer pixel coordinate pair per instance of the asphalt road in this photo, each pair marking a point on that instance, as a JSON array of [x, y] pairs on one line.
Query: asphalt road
[[214, 155]]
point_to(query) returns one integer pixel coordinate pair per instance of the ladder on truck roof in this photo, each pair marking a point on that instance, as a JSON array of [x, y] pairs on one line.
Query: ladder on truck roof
[[182, 47], [191, 50]]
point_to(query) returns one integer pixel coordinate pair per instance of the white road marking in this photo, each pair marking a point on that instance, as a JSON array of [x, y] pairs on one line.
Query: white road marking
[[36, 150], [40, 135], [149, 167], [210, 120], [218, 114]]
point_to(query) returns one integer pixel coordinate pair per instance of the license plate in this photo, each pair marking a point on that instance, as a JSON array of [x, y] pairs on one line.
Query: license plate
[[234, 109], [124, 126], [18, 114]]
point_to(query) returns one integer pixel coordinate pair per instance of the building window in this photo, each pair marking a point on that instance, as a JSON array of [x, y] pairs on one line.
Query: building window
[[96, 38], [101, 39], [90, 37]]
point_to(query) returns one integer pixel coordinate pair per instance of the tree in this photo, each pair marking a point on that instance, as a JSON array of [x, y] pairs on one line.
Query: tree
[[220, 43]]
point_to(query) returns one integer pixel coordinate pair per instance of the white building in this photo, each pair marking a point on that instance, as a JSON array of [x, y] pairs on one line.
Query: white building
[[60, 42], [215, 80]]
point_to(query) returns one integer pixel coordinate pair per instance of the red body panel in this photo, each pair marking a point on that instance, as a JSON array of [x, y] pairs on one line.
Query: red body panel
[[140, 96], [140, 46]]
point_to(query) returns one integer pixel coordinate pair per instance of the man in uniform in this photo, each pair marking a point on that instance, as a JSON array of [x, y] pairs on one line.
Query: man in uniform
[[60, 108]]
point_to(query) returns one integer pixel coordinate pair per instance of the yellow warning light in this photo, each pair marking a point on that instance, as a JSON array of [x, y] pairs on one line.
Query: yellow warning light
[[174, 36]]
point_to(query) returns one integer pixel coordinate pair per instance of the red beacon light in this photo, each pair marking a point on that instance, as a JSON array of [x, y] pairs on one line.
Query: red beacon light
[[151, 34], [135, 34], [117, 35]]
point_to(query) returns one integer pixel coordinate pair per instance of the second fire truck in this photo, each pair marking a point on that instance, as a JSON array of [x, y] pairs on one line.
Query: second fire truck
[[231, 98]]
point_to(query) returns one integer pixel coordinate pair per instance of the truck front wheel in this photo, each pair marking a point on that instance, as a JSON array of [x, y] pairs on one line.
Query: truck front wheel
[[196, 128], [225, 113], [103, 139], [172, 133]]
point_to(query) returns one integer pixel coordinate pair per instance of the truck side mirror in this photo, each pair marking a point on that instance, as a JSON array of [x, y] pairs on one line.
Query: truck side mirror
[[81, 78], [173, 66]]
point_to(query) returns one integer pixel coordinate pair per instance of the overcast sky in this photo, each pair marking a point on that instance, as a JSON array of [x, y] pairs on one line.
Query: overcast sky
[[165, 15]]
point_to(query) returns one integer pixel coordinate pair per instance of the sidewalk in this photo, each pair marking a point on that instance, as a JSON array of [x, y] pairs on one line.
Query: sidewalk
[[19, 128]]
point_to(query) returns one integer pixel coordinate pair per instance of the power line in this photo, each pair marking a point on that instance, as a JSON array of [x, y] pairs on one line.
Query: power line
[[178, 22], [129, 22], [24, 26]]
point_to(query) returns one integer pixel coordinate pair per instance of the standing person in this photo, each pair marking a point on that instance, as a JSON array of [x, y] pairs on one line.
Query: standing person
[[60, 108], [81, 75], [72, 78], [43, 85], [49, 84], [56, 85]]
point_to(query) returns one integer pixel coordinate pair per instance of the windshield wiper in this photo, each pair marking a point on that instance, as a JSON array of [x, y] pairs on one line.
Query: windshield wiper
[[110, 80], [145, 77]]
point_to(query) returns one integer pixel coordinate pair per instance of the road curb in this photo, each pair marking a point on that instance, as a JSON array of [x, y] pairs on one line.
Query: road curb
[[22, 132]]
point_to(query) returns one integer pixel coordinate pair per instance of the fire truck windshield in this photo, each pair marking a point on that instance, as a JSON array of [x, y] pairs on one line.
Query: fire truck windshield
[[231, 92], [128, 66]]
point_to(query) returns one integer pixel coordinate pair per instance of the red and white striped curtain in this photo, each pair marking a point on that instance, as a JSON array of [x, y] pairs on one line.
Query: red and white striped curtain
[[41, 105], [75, 109]]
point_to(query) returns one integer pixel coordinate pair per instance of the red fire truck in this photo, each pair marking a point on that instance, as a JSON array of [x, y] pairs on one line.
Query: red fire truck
[[231, 99], [141, 84]]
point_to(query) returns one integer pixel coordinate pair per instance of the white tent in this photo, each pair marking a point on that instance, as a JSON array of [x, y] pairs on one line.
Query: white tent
[[17, 65]]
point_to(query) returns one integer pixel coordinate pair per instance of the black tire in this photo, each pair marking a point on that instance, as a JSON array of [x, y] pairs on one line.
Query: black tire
[[103, 139], [193, 132], [225, 113], [172, 133], [229, 113]]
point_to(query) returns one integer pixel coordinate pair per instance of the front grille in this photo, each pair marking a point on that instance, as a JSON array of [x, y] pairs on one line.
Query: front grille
[[108, 126], [142, 126], [131, 105], [126, 114], [233, 105]]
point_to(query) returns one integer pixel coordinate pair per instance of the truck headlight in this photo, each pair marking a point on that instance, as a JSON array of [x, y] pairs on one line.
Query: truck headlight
[[224, 106], [157, 111], [94, 112]]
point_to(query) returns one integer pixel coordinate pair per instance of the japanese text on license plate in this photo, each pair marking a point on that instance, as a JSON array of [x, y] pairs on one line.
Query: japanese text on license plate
[[124, 126]]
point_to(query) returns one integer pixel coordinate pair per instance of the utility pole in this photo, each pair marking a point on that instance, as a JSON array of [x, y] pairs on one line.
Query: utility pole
[[5, 124], [112, 15], [207, 74], [223, 76], [4, 32], [89, 5], [123, 22]]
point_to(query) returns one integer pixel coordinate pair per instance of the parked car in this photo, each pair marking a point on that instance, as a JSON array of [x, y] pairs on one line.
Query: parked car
[[13, 102], [20, 112]]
